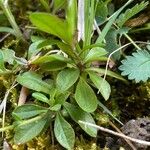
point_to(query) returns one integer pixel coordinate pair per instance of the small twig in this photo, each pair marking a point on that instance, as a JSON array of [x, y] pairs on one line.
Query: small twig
[[3, 104], [4, 37], [118, 130], [23, 96], [116, 134]]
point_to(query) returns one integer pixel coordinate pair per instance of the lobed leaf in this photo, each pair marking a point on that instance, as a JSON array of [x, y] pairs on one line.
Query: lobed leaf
[[130, 13], [137, 66]]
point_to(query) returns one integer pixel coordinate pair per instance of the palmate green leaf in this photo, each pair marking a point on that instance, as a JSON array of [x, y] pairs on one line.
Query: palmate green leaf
[[51, 24], [29, 129], [102, 85], [41, 97], [137, 66], [64, 133], [34, 81], [85, 96], [77, 114], [28, 111], [66, 78], [130, 13], [95, 54]]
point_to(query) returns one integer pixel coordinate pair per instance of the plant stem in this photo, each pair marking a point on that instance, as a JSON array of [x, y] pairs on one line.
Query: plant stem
[[115, 133], [6, 9], [6, 128], [45, 5], [136, 46]]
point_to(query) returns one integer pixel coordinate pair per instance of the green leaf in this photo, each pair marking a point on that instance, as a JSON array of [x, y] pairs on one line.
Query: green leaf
[[112, 43], [109, 73], [37, 46], [62, 97], [8, 55], [106, 110], [66, 48], [71, 17], [130, 13], [137, 66], [102, 85], [101, 11], [29, 129], [66, 78], [28, 111], [53, 66], [110, 22], [95, 54], [58, 4], [50, 24], [78, 114], [85, 96], [41, 97], [2, 66], [50, 58], [34, 81], [7, 29], [64, 133], [56, 107]]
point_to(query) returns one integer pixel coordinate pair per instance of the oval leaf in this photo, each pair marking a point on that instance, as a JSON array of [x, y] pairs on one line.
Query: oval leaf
[[50, 24], [95, 54], [102, 85], [41, 97], [78, 114], [34, 81], [85, 96], [66, 78], [27, 131], [50, 58], [28, 111], [64, 133]]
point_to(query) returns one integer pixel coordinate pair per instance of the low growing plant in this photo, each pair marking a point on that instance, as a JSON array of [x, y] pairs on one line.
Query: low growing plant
[[59, 70]]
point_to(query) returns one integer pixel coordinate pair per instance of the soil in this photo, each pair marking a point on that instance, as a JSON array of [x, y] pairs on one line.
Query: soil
[[139, 129]]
